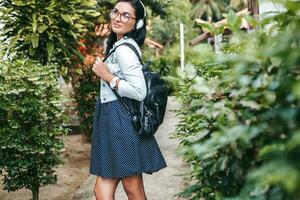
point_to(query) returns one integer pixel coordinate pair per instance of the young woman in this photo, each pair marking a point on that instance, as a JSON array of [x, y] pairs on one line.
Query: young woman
[[118, 152]]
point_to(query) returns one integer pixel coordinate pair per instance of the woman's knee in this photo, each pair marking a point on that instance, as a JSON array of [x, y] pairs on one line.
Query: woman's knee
[[134, 188], [100, 195], [135, 193], [97, 193], [105, 189]]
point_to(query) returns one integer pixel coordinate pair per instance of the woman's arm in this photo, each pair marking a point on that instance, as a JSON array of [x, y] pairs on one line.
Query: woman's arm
[[134, 85]]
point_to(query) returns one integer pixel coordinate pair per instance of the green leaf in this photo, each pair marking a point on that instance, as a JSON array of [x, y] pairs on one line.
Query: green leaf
[[250, 104], [35, 40], [79, 71], [14, 40], [31, 50], [42, 28], [294, 142], [277, 172], [233, 20], [78, 54], [34, 24], [19, 3], [296, 89], [231, 17], [88, 3], [206, 25], [272, 151], [67, 18], [93, 13], [50, 48]]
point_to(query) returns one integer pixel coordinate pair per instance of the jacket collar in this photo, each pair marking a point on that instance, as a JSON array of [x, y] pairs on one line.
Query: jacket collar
[[120, 41]]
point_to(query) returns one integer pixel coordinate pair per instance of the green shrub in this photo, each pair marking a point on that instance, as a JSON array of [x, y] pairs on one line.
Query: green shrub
[[31, 118], [239, 127], [86, 88], [46, 31]]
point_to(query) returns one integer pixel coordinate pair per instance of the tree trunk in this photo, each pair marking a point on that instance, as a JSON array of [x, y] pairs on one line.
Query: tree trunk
[[253, 7], [35, 192]]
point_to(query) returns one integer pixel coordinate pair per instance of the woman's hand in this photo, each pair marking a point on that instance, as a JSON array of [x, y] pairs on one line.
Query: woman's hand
[[100, 69]]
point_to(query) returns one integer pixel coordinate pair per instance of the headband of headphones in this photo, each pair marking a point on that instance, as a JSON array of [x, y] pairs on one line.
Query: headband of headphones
[[143, 8], [140, 22]]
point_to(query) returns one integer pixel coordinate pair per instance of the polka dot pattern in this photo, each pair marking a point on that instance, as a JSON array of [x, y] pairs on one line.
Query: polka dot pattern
[[117, 150]]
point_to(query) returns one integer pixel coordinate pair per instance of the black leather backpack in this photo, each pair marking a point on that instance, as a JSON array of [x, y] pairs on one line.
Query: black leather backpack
[[150, 112]]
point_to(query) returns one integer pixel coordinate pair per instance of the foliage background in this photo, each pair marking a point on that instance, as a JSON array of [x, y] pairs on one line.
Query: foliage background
[[239, 128]]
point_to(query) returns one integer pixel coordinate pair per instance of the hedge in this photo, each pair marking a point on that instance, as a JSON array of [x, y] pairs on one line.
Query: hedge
[[239, 129]]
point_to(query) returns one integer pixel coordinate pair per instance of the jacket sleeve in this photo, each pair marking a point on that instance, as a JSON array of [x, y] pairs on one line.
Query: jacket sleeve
[[134, 85]]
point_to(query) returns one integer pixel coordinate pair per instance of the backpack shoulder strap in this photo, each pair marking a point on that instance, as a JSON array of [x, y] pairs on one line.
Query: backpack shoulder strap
[[114, 91], [112, 51], [131, 46]]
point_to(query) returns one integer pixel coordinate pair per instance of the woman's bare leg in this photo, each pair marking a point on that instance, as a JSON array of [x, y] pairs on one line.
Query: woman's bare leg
[[134, 187], [105, 188]]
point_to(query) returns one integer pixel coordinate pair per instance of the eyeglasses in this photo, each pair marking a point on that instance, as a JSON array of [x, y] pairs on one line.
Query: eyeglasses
[[124, 17]]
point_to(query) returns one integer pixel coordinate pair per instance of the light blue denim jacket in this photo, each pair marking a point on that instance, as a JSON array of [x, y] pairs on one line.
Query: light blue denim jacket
[[125, 64]]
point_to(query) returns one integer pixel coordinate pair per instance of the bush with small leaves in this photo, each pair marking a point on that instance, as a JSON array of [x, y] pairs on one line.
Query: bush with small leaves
[[31, 118]]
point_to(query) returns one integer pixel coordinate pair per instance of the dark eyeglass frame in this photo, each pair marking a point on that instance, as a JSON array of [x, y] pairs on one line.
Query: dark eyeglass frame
[[124, 16]]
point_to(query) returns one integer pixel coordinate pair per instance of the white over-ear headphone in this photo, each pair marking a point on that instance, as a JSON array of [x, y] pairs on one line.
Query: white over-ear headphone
[[140, 22]]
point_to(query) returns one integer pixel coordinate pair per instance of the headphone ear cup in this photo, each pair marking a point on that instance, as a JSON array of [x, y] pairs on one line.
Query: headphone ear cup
[[139, 24]]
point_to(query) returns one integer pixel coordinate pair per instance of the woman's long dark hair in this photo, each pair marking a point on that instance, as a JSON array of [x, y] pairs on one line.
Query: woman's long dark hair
[[138, 35]]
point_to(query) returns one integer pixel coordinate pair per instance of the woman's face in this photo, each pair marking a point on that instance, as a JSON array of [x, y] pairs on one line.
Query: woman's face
[[123, 18]]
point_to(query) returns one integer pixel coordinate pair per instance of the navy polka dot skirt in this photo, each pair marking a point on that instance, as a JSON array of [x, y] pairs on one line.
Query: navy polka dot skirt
[[117, 150]]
